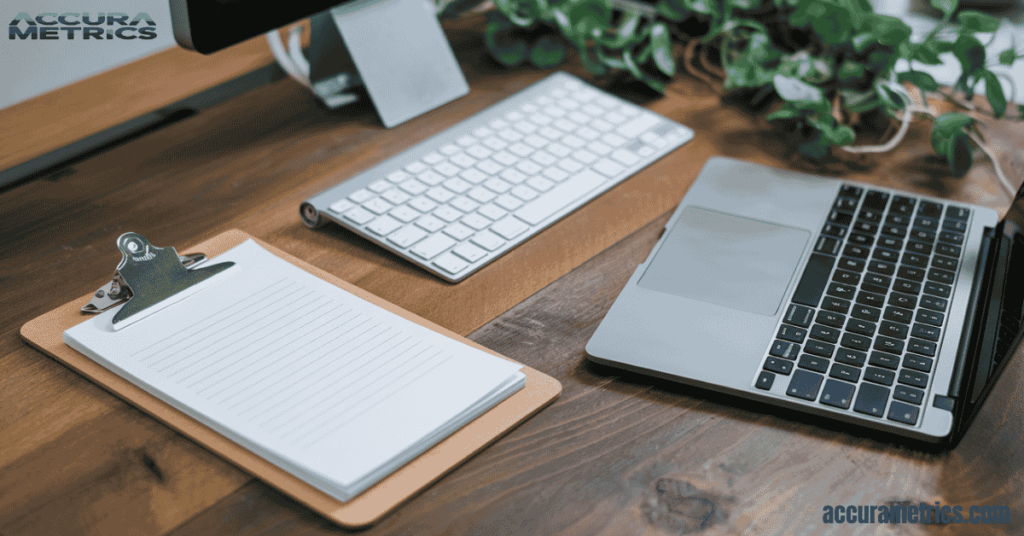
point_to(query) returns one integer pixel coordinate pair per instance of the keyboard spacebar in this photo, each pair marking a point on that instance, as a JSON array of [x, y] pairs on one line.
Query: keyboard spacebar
[[812, 284], [559, 197]]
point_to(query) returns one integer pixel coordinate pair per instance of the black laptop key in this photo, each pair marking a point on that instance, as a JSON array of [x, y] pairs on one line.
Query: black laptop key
[[903, 300], [837, 394], [818, 348], [857, 342], [865, 227], [929, 317], [957, 213], [922, 235], [946, 263], [846, 278], [911, 273], [832, 229], [907, 287], [890, 242], [874, 288], [929, 209], [919, 363], [875, 200], [781, 366], [845, 204], [841, 291], [951, 237], [866, 312], [892, 329], [934, 303], [888, 344], [882, 359], [853, 265], [844, 372], [886, 255], [840, 218], [862, 327], [855, 251], [830, 318], [941, 276], [785, 349], [927, 224], [879, 375], [908, 394], [948, 250], [871, 400], [798, 315], [894, 230], [937, 289], [904, 413], [920, 248], [922, 347], [827, 245], [849, 190], [847, 356], [838, 305], [792, 333], [881, 267], [897, 314], [913, 378], [861, 239], [878, 280], [957, 226], [869, 215], [813, 282], [902, 204], [813, 362], [915, 259], [870, 298], [824, 333], [897, 219], [804, 385], [924, 331], [765, 380]]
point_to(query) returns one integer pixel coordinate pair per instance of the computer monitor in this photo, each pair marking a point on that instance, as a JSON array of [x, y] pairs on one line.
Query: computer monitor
[[397, 47]]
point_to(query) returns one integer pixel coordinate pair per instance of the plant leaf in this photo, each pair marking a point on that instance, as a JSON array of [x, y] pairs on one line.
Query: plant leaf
[[890, 30], [919, 79], [548, 52], [661, 43], [794, 89], [1008, 56], [506, 49], [994, 92], [945, 6], [946, 127], [970, 52], [784, 113], [976, 21], [958, 154]]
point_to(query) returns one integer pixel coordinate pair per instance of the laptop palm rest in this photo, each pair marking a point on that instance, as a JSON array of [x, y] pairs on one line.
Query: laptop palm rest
[[727, 260]]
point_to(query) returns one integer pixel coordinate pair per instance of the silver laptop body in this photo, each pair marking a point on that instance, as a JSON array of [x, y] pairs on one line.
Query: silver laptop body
[[707, 304]]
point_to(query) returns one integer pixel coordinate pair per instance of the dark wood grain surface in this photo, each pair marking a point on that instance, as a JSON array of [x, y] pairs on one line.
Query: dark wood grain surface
[[616, 454]]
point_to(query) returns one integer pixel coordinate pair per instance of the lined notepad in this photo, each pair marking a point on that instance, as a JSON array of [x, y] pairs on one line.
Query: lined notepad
[[318, 381]]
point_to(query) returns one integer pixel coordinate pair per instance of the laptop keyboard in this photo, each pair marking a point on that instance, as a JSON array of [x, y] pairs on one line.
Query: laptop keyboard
[[863, 327]]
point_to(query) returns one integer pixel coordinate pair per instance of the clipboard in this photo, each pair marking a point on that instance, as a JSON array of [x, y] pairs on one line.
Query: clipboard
[[45, 333]]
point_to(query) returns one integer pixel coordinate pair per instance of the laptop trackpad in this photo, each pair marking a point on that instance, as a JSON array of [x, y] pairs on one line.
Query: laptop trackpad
[[727, 260]]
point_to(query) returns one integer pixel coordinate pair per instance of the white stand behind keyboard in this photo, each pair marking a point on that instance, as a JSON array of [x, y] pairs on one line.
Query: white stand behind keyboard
[[461, 199]]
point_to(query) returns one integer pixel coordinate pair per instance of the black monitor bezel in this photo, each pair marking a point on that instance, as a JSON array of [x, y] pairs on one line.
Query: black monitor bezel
[[207, 26]]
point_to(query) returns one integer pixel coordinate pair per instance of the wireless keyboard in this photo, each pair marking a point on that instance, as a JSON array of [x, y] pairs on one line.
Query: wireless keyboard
[[466, 196]]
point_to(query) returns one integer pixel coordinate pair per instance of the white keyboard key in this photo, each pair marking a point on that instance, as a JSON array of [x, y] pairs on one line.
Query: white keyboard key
[[498, 124], [536, 141], [585, 95], [488, 240], [625, 157], [384, 225], [508, 202], [478, 152], [413, 187], [398, 176], [595, 111], [483, 132], [658, 142], [505, 158], [377, 206], [560, 197], [608, 168], [646, 151], [422, 204], [450, 149], [476, 221], [448, 169], [540, 184], [492, 212], [514, 116], [497, 185], [566, 125], [448, 214], [528, 108], [555, 174], [599, 148], [379, 186], [550, 133], [482, 195], [543, 158], [430, 223], [458, 231], [614, 117], [512, 175], [474, 176], [457, 185], [570, 165], [629, 111], [433, 158], [495, 143], [544, 101], [404, 213], [529, 167], [520, 149], [588, 133], [450, 263], [613, 139], [573, 141], [342, 206], [541, 119], [464, 204], [510, 135], [608, 101], [554, 111], [584, 156], [524, 192], [602, 125], [416, 167], [648, 137], [490, 166], [509, 228], [526, 127], [467, 141], [430, 178], [568, 104], [361, 196], [395, 196], [469, 252], [432, 247], [558, 150], [637, 126], [559, 93], [440, 194], [579, 117], [359, 215], [464, 159], [407, 236]]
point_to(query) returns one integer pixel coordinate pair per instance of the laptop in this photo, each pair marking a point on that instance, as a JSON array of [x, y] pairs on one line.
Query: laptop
[[869, 305]]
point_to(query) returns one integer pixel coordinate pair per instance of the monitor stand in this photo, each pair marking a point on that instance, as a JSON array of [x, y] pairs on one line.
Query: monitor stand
[[399, 53]]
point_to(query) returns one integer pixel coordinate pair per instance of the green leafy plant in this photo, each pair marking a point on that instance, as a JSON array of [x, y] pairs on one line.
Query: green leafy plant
[[822, 64]]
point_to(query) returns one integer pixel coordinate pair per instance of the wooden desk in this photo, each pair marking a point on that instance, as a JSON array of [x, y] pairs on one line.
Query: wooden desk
[[616, 454]]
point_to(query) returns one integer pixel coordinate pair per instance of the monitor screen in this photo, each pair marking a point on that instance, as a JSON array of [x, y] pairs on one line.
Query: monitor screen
[[210, 25]]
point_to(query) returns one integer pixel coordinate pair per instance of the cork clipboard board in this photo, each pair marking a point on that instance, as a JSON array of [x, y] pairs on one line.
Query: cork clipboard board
[[46, 333]]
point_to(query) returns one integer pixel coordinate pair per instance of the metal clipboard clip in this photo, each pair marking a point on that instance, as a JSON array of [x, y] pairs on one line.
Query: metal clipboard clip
[[148, 275]]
